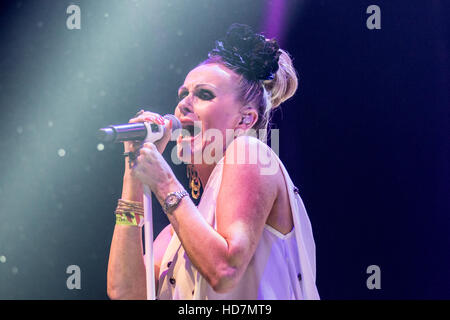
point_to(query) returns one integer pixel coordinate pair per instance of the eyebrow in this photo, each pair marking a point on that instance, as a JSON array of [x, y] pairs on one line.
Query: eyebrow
[[198, 85]]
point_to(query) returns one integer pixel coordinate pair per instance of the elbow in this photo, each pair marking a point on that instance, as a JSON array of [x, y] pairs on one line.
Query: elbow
[[123, 295], [228, 272], [113, 288], [116, 292], [113, 294], [120, 287], [225, 280]]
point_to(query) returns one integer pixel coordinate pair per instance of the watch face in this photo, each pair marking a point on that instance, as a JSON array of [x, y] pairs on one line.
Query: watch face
[[172, 200]]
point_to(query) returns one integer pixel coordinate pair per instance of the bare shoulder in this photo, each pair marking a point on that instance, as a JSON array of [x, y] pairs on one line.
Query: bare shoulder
[[263, 179], [248, 150], [250, 164], [247, 193]]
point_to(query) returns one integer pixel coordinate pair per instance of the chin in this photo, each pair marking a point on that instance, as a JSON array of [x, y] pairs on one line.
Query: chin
[[190, 150], [201, 149]]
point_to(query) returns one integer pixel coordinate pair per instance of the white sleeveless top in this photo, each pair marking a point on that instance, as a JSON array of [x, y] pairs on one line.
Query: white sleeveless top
[[282, 268]]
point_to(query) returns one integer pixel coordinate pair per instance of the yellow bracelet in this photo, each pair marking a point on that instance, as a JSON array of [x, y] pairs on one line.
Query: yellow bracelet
[[129, 218]]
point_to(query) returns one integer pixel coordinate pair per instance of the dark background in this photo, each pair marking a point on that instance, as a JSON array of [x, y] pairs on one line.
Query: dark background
[[365, 138]]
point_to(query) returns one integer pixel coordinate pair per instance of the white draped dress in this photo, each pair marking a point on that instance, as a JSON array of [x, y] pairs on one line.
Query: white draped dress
[[282, 268]]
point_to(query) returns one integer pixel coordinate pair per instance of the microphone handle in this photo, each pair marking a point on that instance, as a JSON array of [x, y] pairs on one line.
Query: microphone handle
[[122, 132]]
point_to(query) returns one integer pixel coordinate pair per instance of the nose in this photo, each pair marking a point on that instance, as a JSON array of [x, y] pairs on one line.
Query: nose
[[185, 106]]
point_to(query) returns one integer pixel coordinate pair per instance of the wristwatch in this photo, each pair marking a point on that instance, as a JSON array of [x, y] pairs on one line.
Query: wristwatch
[[172, 200]]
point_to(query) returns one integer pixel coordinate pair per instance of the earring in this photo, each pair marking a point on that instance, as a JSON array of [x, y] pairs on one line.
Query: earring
[[194, 181], [246, 120]]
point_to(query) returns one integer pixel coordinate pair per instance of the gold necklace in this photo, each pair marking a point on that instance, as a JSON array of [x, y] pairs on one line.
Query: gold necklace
[[194, 181]]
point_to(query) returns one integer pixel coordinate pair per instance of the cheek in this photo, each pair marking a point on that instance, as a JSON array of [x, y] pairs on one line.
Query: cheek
[[219, 115]]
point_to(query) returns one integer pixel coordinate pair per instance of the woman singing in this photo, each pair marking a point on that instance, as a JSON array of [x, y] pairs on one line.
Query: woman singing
[[249, 237]]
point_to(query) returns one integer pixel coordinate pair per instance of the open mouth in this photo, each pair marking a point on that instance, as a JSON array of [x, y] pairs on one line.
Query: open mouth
[[192, 128]]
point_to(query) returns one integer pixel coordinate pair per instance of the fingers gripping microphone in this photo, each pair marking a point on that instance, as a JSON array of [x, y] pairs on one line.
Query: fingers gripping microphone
[[147, 131]]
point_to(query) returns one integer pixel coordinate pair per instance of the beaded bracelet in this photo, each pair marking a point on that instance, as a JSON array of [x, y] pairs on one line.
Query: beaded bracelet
[[129, 213]]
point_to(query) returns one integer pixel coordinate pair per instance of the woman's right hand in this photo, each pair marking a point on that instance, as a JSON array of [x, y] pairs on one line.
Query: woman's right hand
[[147, 116], [132, 187]]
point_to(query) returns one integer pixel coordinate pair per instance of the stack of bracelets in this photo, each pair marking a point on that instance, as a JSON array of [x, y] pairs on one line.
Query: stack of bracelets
[[130, 213]]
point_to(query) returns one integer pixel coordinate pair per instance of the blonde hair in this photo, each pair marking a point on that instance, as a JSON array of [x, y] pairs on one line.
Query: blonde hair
[[285, 83], [265, 95]]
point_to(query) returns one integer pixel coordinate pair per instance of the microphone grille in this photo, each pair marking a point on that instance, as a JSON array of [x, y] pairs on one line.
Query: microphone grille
[[106, 134], [176, 124]]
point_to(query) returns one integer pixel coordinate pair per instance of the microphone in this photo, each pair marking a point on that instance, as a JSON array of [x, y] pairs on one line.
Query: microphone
[[150, 132]]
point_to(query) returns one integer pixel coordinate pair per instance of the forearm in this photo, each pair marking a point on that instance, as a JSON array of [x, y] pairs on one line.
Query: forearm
[[207, 249], [132, 188], [126, 269]]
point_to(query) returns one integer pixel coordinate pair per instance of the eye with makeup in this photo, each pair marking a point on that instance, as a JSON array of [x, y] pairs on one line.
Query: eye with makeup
[[203, 94]]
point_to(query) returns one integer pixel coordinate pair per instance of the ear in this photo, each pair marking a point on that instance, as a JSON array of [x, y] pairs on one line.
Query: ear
[[248, 119]]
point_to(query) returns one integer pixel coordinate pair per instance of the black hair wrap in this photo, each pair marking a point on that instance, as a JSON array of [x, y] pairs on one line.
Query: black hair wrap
[[249, 53]]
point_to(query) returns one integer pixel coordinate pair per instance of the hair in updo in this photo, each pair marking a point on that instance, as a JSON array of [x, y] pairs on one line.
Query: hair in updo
[[268, 77]]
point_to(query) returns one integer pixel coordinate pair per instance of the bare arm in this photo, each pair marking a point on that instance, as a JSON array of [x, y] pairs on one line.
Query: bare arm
[[126, 270], [126, 278], [222, 256]]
